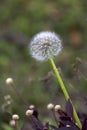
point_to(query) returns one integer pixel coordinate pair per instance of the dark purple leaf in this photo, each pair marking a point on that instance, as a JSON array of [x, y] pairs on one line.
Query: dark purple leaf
[[35, 112], [37, 125], [65, 120], [69, 108], [62, 113], [67, 128], [84, 126]]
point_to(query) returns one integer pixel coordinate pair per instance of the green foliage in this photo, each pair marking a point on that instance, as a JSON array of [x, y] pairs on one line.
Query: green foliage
[[6, 127]]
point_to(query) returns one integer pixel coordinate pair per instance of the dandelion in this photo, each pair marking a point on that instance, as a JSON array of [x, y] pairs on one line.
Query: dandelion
[[45, 45]]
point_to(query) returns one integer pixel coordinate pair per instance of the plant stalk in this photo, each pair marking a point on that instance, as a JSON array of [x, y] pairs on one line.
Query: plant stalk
[[65, 91]]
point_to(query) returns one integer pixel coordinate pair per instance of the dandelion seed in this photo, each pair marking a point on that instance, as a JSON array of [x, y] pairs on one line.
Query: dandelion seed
[[45, 45]]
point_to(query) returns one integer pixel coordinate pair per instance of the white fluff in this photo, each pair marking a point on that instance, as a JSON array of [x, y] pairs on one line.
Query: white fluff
[[45, 45]]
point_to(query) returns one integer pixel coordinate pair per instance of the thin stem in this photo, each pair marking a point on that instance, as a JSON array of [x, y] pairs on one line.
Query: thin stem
[[55, 118], [15, 127], [65, 91], [59, 80], [18, 94]]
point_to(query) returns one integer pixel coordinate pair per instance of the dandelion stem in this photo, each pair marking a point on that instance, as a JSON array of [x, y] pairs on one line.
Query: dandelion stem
[[65, 91]]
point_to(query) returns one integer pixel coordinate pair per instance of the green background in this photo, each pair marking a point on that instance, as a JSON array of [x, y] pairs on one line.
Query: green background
[[20, 20]]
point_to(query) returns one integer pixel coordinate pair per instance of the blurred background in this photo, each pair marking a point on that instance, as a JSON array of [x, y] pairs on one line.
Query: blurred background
[[20, 20]]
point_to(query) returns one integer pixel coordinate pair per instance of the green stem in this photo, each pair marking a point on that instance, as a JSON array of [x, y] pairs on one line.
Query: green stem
[[65, 91]]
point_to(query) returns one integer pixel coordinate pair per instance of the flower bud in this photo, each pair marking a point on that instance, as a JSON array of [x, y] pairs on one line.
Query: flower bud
[[12, 123], [9, 81], [8, 102], [31, 106], [29, 112], [67, 125], [57, 107], [7, 97], [50, 106], [15, 117]]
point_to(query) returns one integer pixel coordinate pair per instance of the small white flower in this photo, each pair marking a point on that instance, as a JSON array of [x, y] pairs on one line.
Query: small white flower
[[7, 97], [9, 81], [57, 107], [15, 117], [12, 123], [31, 106], [29, 112], [45, 45], [50, 106], [67, 125]]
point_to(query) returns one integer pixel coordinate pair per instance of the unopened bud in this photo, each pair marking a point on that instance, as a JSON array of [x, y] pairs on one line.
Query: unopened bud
[[31, 106], [8, 102], [15, 117], [9, 81], [29, 112], [67, 125], [12, 123], [7, 97], [57, 107], [50, 106]]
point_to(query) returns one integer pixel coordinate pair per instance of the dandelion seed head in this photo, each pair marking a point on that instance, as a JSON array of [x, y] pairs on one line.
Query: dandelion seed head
[[45, 45]]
